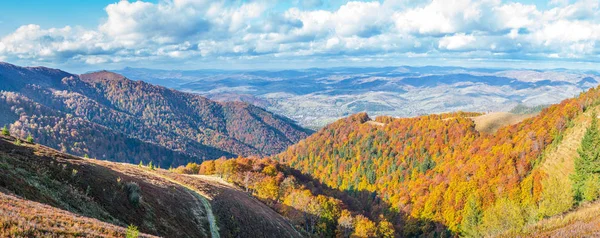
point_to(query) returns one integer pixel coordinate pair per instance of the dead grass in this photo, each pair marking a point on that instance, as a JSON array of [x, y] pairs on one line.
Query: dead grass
[[23, 218], [558, 160], [97, 189], [242, 214], [375, 123], [491, 122], [583, 222]]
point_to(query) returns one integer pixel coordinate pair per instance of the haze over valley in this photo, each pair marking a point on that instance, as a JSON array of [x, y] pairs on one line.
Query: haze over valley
[[316, 97]]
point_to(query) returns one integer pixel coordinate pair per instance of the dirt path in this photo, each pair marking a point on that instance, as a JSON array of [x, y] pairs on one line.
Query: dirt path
[[241, 213], [214, 229]]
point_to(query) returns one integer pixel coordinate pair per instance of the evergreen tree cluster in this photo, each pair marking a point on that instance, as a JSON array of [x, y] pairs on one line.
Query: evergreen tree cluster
[[586, 184]]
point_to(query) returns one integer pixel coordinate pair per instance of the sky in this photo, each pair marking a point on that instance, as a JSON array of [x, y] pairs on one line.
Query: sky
[[268, 34]]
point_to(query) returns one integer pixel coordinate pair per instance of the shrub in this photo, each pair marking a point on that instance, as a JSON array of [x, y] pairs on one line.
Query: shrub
[[150, 166], [29, 138], [18, 141], [133, 193], [190, 168], [193, 168], [132, 232], [591, 188], [5, 131], [207, 167], [556, 197]]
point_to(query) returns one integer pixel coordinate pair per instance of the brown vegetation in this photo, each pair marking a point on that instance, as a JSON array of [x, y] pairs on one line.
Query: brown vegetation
[[23, 218], [84, 187], [491, 122]]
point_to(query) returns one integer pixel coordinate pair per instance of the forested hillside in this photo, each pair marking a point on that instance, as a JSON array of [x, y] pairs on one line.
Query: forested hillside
[[314, 209], [439, 168], [106, 116]]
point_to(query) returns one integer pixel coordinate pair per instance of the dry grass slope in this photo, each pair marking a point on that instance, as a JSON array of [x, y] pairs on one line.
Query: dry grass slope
[[242, 214], [558, 165], [170, 204], [558, 160], [583, 222], [23, 218], [87, 188], [490, 123], [236, 213]]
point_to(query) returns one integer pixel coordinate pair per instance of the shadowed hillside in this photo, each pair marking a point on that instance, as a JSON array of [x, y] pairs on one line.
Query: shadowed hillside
[[108, 116], [114, 195], [40, 174]]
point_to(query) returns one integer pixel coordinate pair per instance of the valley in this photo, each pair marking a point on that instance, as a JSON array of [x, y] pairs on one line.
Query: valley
[[300, 119], [237, 170], [316, 97]]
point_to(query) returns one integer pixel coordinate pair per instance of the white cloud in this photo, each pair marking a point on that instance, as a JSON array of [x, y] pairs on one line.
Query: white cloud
[[192, 30], [516, 15], [456, 42]]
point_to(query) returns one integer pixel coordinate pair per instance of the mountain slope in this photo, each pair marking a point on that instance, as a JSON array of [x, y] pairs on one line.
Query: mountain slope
[[157, 201], [429, 166], [22, 218], [556, 202], [80, 186], [144, 121]]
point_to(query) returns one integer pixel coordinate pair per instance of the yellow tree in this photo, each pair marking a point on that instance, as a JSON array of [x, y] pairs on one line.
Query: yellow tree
[[363, 227]]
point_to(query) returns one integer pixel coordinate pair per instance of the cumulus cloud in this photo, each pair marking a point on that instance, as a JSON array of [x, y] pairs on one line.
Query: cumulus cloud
[[456, 42], [192, 30]]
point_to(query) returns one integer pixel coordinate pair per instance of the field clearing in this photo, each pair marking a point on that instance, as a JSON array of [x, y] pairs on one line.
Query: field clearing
[[491, 122]]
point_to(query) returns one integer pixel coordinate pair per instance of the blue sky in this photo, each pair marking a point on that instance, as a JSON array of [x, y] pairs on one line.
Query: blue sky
[[268, 34]]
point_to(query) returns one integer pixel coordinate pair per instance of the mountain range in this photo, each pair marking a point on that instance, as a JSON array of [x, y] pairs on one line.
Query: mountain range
[[107, 116], [316, 97], [241, 171]]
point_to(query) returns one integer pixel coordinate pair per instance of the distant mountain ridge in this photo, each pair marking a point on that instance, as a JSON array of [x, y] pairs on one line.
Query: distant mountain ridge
[[108, 116], [316, 97]]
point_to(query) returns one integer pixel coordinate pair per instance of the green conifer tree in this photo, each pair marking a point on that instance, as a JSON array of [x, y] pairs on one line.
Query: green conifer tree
[[588, 162], [472, 215]]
